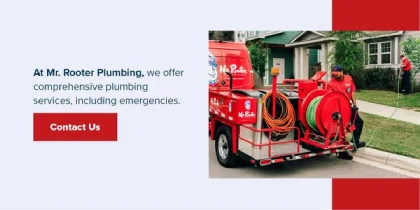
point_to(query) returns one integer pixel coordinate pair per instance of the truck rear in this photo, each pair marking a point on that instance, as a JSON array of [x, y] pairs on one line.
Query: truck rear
[[263, 126]]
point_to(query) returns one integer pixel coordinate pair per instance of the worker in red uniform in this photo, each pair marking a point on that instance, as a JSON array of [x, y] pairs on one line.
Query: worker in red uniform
[[317, 67], [344, 83], [406, 67]]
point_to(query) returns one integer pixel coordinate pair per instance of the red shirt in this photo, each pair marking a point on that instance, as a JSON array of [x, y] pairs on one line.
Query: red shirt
[[346, 85], [407, 64]]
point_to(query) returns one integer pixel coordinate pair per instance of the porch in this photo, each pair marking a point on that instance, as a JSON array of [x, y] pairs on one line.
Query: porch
[[305, 46]]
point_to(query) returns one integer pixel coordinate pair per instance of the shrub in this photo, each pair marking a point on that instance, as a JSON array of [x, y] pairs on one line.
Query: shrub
[[380, 78], [416, 86], [359, 79]]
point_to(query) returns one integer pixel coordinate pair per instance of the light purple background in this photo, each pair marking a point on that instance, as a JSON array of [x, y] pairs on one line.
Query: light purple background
[[161, 158]]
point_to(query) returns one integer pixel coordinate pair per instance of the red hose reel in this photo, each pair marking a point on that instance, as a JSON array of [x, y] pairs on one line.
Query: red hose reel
[[331, 106]]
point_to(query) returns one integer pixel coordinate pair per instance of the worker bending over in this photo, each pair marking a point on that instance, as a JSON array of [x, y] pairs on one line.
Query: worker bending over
[[344, 83]]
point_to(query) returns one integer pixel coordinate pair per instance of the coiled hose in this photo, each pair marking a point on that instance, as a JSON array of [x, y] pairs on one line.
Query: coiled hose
[[311, 116], [311, 113], [285, 117]]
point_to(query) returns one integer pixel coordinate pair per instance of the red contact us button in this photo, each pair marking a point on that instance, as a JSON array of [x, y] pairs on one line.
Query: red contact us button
[[75, 126]]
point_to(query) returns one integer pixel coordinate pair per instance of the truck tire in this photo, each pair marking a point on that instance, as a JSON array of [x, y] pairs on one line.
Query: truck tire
[[223, 147]]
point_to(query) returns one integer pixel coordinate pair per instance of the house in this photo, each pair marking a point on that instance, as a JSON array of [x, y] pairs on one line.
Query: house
[[280, 56], [304, 45], [382, 49], [297, 51]]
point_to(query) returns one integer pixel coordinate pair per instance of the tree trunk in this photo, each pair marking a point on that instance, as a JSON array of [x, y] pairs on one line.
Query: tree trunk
[[258, 81]]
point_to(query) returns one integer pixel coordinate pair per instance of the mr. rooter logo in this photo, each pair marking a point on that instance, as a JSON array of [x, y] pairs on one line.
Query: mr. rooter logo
[[233, 68], [246, 114]]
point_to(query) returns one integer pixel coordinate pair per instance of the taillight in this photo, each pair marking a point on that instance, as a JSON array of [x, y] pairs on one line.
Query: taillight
[[265, 162]]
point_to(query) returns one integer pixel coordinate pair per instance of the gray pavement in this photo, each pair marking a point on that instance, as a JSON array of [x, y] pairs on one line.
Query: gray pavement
[[387, 111], [318, 167]]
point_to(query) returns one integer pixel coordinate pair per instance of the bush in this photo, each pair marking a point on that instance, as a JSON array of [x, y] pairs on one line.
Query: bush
[[359, 79], [416, 86], [380, 79]]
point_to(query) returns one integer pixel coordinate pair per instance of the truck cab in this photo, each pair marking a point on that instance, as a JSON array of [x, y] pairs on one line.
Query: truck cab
[[229, 57]]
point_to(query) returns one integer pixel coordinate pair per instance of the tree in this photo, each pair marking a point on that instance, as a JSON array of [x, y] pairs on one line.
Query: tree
[[411, 49], [258, 53], [349, 53]]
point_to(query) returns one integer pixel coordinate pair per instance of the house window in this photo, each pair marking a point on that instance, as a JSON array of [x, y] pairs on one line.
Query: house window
[[386, 53], [379, 53]]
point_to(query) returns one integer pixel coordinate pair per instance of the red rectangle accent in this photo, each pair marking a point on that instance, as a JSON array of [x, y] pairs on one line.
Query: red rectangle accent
[[376, 194], [375, 15], [75, 126]]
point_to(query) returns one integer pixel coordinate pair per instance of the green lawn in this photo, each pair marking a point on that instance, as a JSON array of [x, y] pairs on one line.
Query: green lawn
[[389, 98], [393, 136]]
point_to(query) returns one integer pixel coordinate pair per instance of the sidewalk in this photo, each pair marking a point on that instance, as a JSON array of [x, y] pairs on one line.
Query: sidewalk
[[387, 111]]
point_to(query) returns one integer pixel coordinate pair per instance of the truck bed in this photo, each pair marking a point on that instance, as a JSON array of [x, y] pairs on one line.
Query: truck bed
[[262, 153]]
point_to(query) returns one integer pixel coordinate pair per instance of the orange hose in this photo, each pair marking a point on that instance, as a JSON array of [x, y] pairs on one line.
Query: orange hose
[[286, 121]]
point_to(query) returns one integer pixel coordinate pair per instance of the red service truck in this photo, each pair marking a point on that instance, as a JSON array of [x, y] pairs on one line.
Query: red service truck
[[274, 125]]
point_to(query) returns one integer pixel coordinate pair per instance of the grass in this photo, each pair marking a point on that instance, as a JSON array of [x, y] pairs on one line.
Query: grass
[[389, 98], [393, 136]]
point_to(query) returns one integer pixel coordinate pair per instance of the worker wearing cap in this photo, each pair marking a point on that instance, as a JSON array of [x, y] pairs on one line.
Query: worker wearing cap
[[406, 67], [344, 83]]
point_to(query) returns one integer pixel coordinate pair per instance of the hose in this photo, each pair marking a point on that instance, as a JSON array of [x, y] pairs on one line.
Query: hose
[[311, 113], [285, 118], [395, 110], [311, 116]]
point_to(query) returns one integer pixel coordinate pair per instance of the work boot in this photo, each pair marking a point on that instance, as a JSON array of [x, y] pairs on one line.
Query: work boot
[[361, 144], [345, 156]]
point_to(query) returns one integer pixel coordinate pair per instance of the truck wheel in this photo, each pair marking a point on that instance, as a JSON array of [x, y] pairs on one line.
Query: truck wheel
[[223, 146]]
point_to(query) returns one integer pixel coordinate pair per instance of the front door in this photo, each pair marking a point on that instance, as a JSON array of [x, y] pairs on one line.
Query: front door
[[279, 63]]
